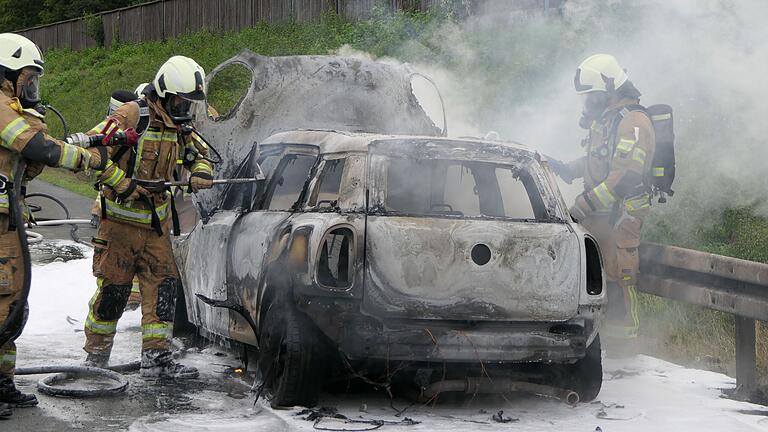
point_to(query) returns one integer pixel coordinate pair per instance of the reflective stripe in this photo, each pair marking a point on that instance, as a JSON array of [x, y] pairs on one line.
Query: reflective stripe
[[156, 331], [4, 200], [199, 141], [98, 128], [202, 167], [12, 131], [638, 203], [661, 117], [604, 195], [69, 156], [100, 327], [633, 310], [638, 155], [8, 358], [116, 177], [135, 215], [658, 171], [625, 145], [135, 285]]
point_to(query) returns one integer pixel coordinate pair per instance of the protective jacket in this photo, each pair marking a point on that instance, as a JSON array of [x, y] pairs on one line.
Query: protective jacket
[[24, 133], [616, 199], [159, 152]]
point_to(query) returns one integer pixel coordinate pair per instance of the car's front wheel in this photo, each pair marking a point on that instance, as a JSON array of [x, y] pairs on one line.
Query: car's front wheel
[[291, 361]]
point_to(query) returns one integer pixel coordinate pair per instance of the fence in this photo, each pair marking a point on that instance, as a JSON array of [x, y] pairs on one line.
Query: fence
[[730, 285], [166, 19]]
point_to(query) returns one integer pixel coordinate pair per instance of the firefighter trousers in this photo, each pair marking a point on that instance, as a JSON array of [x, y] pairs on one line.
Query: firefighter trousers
[[122, 251], [619, 241], [11, 285]]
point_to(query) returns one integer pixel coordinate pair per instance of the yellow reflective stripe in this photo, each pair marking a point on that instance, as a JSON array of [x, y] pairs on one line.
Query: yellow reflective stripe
[[661, 117], [638, 155], [4, 200], [199, 141], [116, 177], [202, 167], [8, 358], [69, 156], [135, 215], [658, 171], [135, 285], [98, 128], [171, 137], [625, 145], [100, 327], [604, 195], [12, 131], [157, 331], [633, 309], [638, 203]]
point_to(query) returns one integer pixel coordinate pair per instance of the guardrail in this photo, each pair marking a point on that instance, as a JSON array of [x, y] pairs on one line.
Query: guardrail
[[730, 285]]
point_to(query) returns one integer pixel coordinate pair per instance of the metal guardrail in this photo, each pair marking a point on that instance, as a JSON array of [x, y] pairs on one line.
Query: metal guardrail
[[730, 285]]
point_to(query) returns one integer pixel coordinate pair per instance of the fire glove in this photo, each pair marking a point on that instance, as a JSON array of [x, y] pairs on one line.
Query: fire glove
[[562, 170], [128, 190], [200, 180]]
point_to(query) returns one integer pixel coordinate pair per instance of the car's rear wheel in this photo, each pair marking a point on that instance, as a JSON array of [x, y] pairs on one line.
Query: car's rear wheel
[[586, 375], [291, 361]]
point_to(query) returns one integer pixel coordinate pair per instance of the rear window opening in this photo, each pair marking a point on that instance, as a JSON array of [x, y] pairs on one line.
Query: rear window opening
[[335, 261], [461, 188]]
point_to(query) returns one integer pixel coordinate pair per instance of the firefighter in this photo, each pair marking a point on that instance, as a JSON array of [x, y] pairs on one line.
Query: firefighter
[[616, 171], [133, 237], [23, 134], [118, 98]]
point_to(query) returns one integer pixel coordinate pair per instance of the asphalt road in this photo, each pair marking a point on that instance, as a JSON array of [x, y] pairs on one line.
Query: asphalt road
[[78, 205]]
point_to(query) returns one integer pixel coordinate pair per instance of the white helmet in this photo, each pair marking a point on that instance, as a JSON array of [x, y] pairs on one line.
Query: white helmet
[[180, 82], [18, 52], [181, 76], [600, 72], [140, 89]]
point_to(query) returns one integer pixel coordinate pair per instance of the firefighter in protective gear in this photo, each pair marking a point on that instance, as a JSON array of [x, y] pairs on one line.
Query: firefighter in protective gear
[[23, 134], [116, 100], [616, 171], [133, 237]]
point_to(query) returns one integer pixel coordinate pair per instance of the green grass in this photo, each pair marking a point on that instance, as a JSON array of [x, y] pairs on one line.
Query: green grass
[[77, 183]]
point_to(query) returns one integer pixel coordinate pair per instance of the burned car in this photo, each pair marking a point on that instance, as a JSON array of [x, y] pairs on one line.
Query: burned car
[[452, 262]]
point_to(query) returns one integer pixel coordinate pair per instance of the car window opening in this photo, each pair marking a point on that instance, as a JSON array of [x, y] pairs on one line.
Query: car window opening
[[334, 262], [461, 188], [289, 181], [329, 185]]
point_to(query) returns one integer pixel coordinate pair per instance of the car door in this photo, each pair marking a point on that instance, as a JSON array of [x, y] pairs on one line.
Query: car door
[[204, 270], [288, 169]]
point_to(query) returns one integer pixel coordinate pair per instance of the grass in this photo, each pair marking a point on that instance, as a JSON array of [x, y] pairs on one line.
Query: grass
[[78, 183]]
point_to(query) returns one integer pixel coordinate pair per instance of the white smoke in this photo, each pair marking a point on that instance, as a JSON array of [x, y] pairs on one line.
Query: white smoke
[[501, 71]]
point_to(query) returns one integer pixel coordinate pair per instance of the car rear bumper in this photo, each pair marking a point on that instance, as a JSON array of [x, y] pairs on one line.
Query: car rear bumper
[[512, 343]]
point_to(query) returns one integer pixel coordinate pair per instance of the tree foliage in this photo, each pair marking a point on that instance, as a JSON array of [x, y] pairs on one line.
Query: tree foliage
[[20, 14]]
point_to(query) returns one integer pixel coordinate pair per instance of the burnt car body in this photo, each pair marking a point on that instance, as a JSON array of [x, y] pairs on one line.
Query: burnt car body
[[446, 257]]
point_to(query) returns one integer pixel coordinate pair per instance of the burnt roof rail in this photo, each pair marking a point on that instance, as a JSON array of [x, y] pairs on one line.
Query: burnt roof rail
[[735, 286]]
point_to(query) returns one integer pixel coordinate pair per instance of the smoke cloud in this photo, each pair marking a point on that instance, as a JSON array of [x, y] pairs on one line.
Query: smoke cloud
[[513, 73]]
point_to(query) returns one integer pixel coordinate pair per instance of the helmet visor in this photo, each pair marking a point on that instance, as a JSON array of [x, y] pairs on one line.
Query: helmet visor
[[29, 86], [179, 108]]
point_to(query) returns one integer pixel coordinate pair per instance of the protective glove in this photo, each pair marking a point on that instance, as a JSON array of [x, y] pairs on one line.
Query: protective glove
[[199, 181], [128, 190], [562, 170]]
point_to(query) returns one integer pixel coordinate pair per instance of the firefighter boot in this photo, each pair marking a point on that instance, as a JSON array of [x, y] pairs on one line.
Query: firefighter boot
[[97, 360], [12, 397], [157, 363]]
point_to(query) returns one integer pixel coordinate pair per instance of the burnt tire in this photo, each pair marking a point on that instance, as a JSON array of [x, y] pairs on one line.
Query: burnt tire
[[587, 374], [291, 361]]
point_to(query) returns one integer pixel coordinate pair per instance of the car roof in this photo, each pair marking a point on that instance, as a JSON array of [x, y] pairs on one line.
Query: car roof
[[332, 141]]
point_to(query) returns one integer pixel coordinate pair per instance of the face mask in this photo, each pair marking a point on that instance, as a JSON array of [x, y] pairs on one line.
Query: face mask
[[28, 87], [179, 109], [594, 105]]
